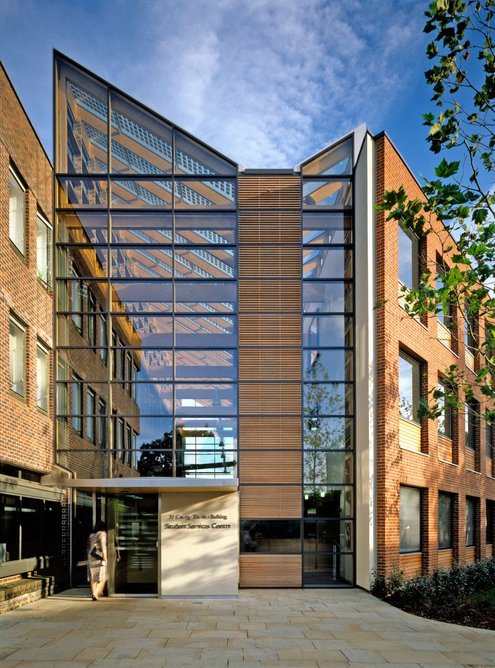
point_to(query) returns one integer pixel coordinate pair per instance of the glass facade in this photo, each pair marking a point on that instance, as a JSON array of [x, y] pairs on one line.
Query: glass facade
[[328, 368], [146, 291]]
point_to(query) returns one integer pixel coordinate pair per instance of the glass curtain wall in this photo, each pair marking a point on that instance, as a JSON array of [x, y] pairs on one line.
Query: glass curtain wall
[[328, 368], [146, 291]]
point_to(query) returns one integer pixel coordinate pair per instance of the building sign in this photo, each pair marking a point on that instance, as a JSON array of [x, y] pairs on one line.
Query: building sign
[[197, 522]]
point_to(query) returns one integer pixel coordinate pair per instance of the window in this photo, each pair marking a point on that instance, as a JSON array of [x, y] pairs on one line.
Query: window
[[446, 313], [77, 407], [409, 379], [470, 330], [102, 335], [490, 519], [90, 415], [470, 522], [43, 249], [17, 220], [102, 432], [91, 319], [471, 411], [408, 259], [445, 514], [445, 413], [42, 377], [61, 388], [17, 355], [410, 519], [76, 299]]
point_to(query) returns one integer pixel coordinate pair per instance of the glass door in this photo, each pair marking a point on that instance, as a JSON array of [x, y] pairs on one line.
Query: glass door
[[133, 544]]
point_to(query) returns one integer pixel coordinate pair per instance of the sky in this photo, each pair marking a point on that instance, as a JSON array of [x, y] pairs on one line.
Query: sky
[[266, 82]]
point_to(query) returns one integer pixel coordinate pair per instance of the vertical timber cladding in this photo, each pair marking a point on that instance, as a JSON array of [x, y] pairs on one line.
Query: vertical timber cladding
[[270, 367]]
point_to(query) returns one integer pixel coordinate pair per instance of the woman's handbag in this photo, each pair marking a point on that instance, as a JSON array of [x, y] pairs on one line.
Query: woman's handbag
[[95, 554]]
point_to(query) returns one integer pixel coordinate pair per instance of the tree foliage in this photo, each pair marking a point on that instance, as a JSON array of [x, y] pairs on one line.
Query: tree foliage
[[461, 130]]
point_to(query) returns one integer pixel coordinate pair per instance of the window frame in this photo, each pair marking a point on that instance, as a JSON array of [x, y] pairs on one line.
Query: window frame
[[20, 248], [39, 401], [471, 503], [450, 529], [41, 219], [447, 413], [13, 320], [77, 417], [416, 367], [417, 547], [415, 254]]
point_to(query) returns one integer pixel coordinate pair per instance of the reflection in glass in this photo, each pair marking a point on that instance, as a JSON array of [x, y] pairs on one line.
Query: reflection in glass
[[146, 227], [199, 263], [82, 139], [330, 193], [205, 228], [149, 399], [334, 162], [334, 364], [82, 227], [322, 296], [271, 536], [205, 297], [205, 399], [141, 142], [142, 262], [152, 364], [205, 365], [330, 468], [92, 293], [327, 433], [81, 193], [329, 227], [327, 568], [149, 331], [141, 296], [90, 261], [328, 399], [214, 193], [327, 535], [328, 501], [212, 433], [205, 332], [327, 331], [141, 193], [191, 157], [327, 263], [74, 389]]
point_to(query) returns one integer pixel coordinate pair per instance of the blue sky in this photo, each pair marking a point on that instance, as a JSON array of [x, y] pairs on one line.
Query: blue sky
[[267, 82]]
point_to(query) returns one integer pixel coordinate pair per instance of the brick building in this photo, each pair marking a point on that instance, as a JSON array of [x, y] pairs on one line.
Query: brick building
[[228, 398]]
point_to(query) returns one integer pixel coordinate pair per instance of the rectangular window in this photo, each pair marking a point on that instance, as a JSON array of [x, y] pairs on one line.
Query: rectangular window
[[445, 414], [17, 212], [76, 302], [489, 440], [445, 514], [470, 522], [471, 412], [410, 519], [490, 519], [115, 357], [17, 357], [44, 249], [102, 422], [408, 259], [446, 313], [91, 319], [42, 358], [102, 335], [90, 416], [409, 387], [470, 330], [77, 406], [61, 388]]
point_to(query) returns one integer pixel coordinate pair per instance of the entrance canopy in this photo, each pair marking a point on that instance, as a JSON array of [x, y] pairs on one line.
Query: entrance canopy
[[149, 485]]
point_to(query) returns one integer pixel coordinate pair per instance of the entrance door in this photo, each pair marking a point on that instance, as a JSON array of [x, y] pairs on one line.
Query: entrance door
[[134, 520]]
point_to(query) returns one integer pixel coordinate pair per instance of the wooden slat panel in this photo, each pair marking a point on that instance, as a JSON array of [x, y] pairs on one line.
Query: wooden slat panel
[[269, 330], [270, 296], [270, 432], [268, 261], [445, 558], [410, 564], [489, 467], [444, 335], [269, 364], [268, 502], [270, 570], [445, 449], [470, 459], [469, 359], [269, 227], [409, 435], [489, 551], [470, 555], [269, 398], [270, 467], [279, 192]]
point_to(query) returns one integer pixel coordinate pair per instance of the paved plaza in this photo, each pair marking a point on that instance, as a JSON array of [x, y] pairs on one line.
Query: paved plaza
[[291, 628]]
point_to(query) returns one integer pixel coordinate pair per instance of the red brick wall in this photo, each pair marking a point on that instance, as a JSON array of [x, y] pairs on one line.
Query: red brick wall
[[26, 433], [397, 330]]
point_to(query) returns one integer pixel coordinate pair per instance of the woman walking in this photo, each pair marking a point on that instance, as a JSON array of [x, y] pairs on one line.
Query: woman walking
[[97, 559]]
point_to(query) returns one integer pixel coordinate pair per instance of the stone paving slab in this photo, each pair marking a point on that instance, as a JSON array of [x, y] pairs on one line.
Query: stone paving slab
[[262, 628]]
